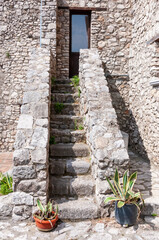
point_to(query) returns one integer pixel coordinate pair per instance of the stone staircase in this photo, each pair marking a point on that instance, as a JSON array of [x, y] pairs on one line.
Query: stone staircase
[[71, 183]]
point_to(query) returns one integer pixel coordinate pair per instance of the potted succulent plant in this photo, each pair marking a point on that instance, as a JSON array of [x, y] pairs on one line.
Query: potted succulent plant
[[127, 202], [46, 217]]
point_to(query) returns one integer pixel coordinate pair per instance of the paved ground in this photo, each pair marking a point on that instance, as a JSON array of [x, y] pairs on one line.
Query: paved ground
[[6, 160], [106, 229]]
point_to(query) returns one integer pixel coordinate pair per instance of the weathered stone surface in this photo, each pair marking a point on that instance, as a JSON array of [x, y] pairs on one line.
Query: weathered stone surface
[[77, 166], [57, 167], [24, 172], [69, 150], [82, 186], [42, 122], [29, 186], [31, 96], [21, 157], [40, 137], [21, 198], [40, 110], [78, 209], [103, 134], [39, 155], [6, 206], [20, 139], [21, 213], [25, 121], [60, 186]]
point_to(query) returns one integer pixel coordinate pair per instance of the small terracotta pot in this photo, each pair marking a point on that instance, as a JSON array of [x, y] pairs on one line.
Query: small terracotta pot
[[45, 225]]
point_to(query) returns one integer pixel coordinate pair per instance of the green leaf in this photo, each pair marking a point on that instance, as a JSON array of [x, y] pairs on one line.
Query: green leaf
[[131, 180], [112, 187], [49, 205], [109, 199], [117, 183], [125, 179], [40, 206], [120, 204]]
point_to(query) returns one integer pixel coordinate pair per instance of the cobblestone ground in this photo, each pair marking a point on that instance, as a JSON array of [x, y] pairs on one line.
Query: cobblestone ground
[[103, 229]]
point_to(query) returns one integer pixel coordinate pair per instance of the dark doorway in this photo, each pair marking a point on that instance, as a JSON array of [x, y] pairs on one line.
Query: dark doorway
[[79, 37]]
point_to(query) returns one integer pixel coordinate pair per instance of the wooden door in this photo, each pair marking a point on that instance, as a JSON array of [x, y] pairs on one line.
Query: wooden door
[[79, 37]]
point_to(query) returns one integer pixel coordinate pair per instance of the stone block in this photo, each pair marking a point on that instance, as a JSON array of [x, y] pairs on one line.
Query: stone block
[[120, 154], [102, 187], [31, 96], [21, 157], [39, 156], [42, 122], [77, 167], [6, 206], [24, 172], [21, 213], [60, 186], [40, 137], [40, 110], [21, 198], [20, 139], [29, 186], [82, 186], [25, 121], [57, 167]]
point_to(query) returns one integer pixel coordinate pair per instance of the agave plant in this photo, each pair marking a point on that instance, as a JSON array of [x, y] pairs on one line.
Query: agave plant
[[6, 182], [46, 212], [124, 193]]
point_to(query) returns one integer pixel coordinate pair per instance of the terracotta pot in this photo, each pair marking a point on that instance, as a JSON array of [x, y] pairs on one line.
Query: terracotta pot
[[45, 225]]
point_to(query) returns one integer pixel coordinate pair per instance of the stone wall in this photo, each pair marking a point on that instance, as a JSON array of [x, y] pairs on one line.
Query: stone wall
[[30, 171], [107, 146], [119, 91], [62, 50], [19, 31], [110, 33], [144, 68]]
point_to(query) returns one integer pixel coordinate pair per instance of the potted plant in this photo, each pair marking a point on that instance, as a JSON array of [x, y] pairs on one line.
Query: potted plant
[[46, 217], [127, 202], [6, 183]]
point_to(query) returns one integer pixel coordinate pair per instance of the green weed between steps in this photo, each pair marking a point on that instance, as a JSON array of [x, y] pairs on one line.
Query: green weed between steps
[[75, 81], [58, 107], [78, 127], [52, 140], [53, 80], [6, 183]]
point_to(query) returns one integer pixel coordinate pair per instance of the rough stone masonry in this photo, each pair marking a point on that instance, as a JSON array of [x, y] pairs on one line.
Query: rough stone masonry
[[30, 172]]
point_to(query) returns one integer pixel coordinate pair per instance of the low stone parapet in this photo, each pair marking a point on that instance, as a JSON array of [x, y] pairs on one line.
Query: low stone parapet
[[30, 171], [104, 137]]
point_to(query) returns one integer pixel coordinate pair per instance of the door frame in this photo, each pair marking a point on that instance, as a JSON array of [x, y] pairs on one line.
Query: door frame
[[78, 12]]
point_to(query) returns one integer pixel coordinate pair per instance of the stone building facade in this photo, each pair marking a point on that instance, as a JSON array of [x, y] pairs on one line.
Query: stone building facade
[[125, 34]]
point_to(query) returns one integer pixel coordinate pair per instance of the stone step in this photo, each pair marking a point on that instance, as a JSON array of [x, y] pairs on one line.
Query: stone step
[[68, 136], [83, 208], [70, 186], [65, 97], [69, 166], [68, 109], [69, 150], [63, 88], [62, 81], [66, 122]]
